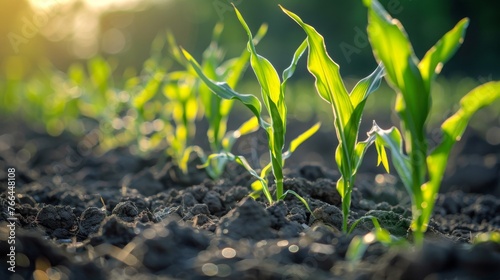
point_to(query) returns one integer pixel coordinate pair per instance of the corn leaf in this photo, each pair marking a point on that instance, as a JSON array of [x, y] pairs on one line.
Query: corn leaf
[[288, 72], [329, 83], [295, 143], [392, 47], [149, 90], [186, 154], [433, 61], [358, 97], [392, 140], [243, 162], [330, 87], [273, 96], [273, 99], [366, 86], [382, 155], [453, 129], [360, 151], [356, 249], [212, 104], [224, 91], [175, 51], [297, 196], [247, 127], [264, 71], [347, 108], [358, 245], [239, 65], [341, 186]]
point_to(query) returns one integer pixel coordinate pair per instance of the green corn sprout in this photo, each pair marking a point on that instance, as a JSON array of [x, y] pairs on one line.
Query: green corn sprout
[[134, 110], [144, 108], [261, 185], [421, 172], [99, 100], [161, 118], [358, 245], [274, 101], [95, 88], [72, 95], [183, 105], [217, 109], [347, 110], [493, 236]]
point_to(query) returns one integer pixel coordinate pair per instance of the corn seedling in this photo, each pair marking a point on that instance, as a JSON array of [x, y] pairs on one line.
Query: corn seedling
[[273, 93], [96, 88], [142, 120], [183, 107], [149, 119], [347, 110], [216, 109], [359, 245], [493, 236], [145, 117], [261, 185], [75, 96], [61, 112], [421, 172], [28, 97], [120, 113]]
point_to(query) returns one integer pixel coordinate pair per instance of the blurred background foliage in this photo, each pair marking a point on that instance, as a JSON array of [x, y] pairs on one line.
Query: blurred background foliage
[[45, 38], [64, 31]]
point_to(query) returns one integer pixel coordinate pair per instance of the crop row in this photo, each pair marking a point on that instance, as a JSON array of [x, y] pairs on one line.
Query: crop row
[[157, 108]]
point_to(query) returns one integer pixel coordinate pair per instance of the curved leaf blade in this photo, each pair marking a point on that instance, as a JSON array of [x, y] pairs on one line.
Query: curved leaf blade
[[329, 83], [303, 137], [392, 139], [453, 129], [433, 61], [330, 87], [264, 71], [392, 47], [367, 85], [224, 91], [288, 72], [247, 127], [297, 196]]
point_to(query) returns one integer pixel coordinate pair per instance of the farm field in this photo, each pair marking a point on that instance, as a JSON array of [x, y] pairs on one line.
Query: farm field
[[224, 159]]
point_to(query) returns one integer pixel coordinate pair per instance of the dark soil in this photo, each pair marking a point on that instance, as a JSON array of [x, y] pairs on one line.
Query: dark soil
[[118, 216]]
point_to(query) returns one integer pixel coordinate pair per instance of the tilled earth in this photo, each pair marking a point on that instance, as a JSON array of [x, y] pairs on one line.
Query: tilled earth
[[118, 216]]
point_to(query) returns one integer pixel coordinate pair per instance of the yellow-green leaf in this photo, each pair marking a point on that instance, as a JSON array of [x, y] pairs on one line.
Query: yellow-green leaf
[[224, 91], [433, 61], [295, 143], [453, 129]]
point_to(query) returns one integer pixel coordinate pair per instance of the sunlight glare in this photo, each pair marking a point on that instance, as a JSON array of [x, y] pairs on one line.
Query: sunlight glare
[[93, 4]]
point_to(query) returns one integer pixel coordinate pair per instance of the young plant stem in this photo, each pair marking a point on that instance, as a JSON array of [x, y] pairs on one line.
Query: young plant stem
[[419, 167], [279, 189], [277, 164], [346, 203], [418, 238], [347, 108]]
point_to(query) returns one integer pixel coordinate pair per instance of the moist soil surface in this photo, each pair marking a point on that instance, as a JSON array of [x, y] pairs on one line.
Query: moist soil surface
[[120, 216]]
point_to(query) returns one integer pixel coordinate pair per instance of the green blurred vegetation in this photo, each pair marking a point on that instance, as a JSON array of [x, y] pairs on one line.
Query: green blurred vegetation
[[72, 54], [70, 30]]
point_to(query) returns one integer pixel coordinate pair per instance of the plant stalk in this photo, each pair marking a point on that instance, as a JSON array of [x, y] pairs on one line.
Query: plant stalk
[[279, 188]]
